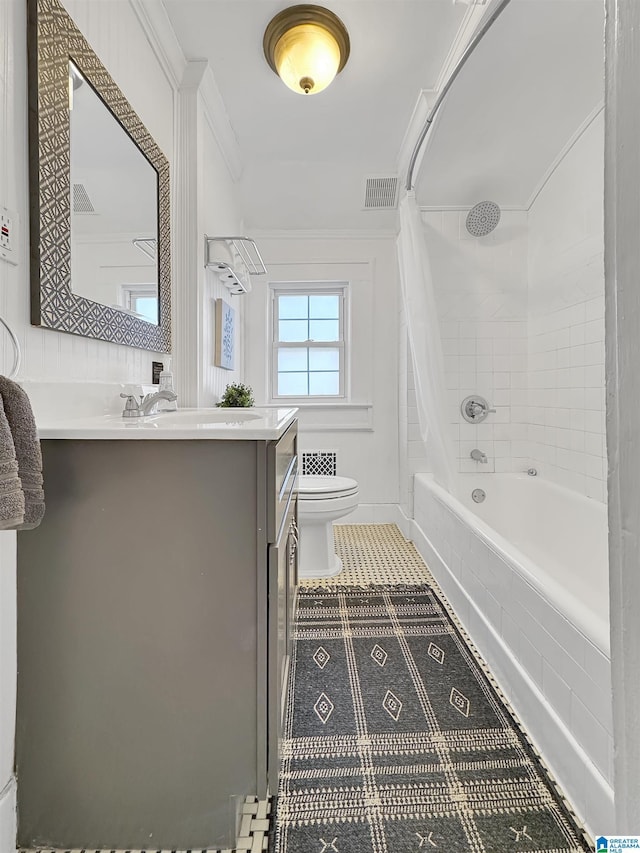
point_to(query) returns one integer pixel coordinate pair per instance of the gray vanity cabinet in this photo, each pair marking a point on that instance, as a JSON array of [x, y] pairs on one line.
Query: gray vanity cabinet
[[154, 607]]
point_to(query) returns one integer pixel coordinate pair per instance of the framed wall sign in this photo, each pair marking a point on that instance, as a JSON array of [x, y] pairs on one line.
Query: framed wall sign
[[225, 335]]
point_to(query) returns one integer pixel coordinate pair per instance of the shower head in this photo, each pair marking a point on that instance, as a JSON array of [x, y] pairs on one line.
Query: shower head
[[483, 218]]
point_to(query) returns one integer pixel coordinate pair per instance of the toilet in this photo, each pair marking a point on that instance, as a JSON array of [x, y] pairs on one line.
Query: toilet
[[321, 501]]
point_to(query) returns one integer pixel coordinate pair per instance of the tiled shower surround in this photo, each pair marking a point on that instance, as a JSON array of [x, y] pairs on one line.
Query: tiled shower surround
[[521, 316]]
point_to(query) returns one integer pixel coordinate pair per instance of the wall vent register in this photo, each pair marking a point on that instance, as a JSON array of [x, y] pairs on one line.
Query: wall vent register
[[322, 462], [381, 193]]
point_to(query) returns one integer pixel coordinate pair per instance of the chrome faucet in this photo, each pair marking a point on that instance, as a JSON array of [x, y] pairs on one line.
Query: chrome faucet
[[138, 409], [478, 455]]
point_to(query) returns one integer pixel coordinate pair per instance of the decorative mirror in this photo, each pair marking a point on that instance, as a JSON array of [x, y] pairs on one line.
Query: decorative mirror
[[100, 210]]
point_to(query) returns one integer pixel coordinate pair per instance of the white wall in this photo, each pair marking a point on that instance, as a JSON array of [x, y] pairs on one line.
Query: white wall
[[364, 430], [218, 216], [622, 260], [566, 320]]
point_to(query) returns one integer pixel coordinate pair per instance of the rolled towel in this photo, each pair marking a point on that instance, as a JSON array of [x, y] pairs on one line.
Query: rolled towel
[[19, 415], [11, 494]]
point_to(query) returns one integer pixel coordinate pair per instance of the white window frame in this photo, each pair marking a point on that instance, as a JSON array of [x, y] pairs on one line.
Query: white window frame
[[311, 288], [130, 292]]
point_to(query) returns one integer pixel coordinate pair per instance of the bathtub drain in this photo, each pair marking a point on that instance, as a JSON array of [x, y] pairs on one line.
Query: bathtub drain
[[478, 495]]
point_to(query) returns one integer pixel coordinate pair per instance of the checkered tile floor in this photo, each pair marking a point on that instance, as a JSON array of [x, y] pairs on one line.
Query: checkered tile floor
[[375, 554]]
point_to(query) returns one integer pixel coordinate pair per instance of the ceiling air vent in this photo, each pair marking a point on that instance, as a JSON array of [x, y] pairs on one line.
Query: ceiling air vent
[[81, 200], [381, 193]]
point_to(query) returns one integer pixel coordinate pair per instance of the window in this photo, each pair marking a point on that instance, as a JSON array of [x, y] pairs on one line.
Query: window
[[142, 300], [308, 353]]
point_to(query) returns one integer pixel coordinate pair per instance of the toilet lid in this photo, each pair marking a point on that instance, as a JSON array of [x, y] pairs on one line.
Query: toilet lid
[[317, 486]]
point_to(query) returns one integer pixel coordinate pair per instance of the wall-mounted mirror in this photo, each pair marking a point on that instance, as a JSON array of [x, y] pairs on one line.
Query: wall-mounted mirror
[[100, 238]]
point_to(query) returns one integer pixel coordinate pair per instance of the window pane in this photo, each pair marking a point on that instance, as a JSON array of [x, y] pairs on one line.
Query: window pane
[[293, 384], [323, 330], [293, 307], [147, 306], [293, 330], [324, 359], [324, 307], [324, 384], [292, 359]]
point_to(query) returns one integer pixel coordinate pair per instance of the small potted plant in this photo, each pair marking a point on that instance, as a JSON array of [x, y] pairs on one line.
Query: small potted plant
[[236, 396]]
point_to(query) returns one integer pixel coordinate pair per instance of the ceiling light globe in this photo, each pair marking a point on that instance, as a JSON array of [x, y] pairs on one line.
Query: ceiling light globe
[[307, 58], [306, 46]]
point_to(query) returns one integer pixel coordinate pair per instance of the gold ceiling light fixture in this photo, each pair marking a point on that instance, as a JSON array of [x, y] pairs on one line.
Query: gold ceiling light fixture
[[306, 46]]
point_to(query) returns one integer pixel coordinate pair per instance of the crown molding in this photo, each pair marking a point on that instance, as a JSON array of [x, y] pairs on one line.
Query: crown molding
[[593, 115], [443, 208], [335, 234], [160, 34]]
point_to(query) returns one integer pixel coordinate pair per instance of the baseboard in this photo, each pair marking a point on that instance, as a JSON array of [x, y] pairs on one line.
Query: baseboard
[[373, 514], [588, 791], [8, 824]]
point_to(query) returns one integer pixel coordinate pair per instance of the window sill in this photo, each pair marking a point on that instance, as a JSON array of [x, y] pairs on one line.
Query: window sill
[[337, 416]]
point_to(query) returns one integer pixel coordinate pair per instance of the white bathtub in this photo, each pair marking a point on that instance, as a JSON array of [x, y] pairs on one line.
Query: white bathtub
[[556, 540], [527, 572]]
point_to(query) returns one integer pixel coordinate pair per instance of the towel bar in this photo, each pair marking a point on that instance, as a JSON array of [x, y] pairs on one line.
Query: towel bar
[[17, 353]]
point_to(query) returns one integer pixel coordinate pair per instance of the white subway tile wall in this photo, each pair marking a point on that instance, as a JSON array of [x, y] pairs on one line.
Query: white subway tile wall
[[566, 321], [481, 295], [522, 324]]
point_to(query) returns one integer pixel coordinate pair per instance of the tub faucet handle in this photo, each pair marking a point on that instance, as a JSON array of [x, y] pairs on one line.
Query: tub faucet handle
[[475, 409], [478, 456]]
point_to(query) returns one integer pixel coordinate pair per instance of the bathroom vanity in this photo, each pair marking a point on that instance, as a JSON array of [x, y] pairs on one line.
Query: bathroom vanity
[[154, 613]]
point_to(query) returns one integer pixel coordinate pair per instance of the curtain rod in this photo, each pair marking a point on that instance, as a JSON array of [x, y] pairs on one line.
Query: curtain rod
[[475, 41]]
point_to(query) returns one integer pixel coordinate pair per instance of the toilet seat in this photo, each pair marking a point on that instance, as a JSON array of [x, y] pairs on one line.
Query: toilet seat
[[322, 487]]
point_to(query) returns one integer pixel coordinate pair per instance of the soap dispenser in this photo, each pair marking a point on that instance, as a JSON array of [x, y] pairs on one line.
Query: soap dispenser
[[166, 384]]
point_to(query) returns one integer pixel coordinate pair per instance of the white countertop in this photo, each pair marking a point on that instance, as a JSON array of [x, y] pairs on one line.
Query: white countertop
[[258, 424]]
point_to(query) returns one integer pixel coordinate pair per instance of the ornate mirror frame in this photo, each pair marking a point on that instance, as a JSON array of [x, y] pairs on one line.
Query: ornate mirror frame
[[54, 39]]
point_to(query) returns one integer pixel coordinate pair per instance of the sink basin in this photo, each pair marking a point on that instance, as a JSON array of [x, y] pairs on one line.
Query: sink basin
[[205, 417]]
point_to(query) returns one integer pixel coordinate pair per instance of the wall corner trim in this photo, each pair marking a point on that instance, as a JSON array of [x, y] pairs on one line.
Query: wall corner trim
[[573, 139], [215, 113]]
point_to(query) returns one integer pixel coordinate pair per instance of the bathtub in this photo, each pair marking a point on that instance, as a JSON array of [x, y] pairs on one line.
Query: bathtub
[[527, 572]]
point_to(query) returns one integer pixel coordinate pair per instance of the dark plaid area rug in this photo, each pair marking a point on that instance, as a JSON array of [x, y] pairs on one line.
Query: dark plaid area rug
[[395, 740]]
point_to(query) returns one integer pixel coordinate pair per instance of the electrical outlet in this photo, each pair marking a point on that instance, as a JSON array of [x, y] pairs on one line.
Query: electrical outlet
[[9, 235]]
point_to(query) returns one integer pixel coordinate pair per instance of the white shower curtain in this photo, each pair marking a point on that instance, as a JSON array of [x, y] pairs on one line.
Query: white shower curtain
[[426, 346]]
